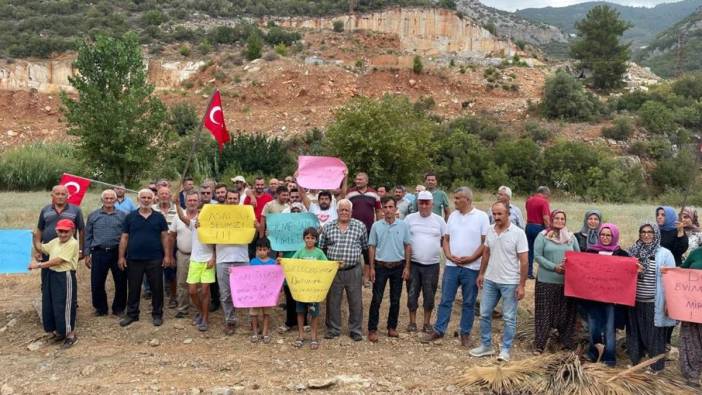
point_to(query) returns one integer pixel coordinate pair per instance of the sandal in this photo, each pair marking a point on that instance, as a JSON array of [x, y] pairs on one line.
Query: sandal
[[283, 328], [266, 339], [314, 344], [299, 342], [254, 339], [412, 328]]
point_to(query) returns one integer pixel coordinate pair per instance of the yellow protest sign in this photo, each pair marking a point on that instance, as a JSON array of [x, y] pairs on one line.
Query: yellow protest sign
[[226, 224], [309, 280]]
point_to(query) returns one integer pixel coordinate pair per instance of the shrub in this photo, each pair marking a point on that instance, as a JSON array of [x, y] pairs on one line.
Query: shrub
[[26, 168], [184, 50], [565, 98], [620, 131], [481, 127], [338, 26], [252, 153], [656, 117], [254, 44], [417, 65], [277, 35], [537, 132], [631, 101], [522, 160], [689, 116], [463, 158], [424, 103], [270, 56], [668, 174], [183, 118], [281, 49], [205, 47], [689, 86]]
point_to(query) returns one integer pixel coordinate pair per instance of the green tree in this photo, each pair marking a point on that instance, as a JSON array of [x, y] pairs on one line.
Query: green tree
[[598, 47], [118, 120], [386, 138], [417, 65], [253, 46], [565, 98]]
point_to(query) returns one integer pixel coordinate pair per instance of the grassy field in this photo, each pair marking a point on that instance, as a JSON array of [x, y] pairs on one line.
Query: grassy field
[[21, 210]]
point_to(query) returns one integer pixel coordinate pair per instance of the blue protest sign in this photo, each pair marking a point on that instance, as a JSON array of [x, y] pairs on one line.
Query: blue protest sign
[[285, 230], [15, 250]]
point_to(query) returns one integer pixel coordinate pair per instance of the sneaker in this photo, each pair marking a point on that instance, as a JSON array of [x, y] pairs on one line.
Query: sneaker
[[158, 321], [481, 351], [330, 335], [412, 328], [356, 337], [504, 356], [197, 319], [202, 326], [70, 341], [283, 329]]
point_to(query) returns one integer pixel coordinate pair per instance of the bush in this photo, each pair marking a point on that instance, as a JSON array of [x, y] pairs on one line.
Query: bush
[[338, 26], [537, 132], [689, 86], [254, 44], [463, 159], [270, 56], [668, 174], [27, 168], [183, 118], [257, 153], [481, 127], [522, 161], [281, 49], [184, 50], [424, 104], [417, 65], [620, 131], [205, 47], [656, 117], [277, 35], [565, 98], [631, 101]]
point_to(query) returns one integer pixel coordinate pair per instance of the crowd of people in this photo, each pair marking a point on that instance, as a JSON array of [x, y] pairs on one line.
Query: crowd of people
[[378, 236]]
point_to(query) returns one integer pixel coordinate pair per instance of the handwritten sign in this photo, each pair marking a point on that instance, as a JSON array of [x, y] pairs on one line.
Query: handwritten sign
[[683, 294], [226, 224], [309, 280], [15, 250], [603, 278], [285, 230], [320, 172], [255, 286]]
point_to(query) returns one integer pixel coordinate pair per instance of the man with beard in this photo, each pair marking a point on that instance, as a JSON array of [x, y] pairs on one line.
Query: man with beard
[[324, 210], [123, 202], [258, 199], [220, 193]]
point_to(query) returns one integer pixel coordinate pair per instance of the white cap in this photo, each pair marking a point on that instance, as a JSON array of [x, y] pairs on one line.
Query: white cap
[[239, 179], [425, 195]]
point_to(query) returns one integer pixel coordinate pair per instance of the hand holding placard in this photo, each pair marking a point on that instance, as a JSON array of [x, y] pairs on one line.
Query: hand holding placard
[[683, 294], [226, 224], [15, 250], [255, 286], [603, 278]]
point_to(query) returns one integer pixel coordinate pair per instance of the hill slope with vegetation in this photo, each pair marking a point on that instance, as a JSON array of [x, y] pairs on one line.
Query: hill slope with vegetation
[[661, 54]]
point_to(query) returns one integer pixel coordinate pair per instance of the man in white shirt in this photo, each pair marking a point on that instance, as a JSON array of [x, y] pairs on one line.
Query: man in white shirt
[[228, 256], [463, 247], [426, 230], [180, 237], [503, 274], [323, 209]]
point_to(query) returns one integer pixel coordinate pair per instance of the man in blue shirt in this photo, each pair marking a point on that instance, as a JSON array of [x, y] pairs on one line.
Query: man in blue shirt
[[389, 254], [123, 203]]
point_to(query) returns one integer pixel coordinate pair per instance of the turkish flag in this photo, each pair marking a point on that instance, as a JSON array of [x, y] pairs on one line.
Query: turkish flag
[[76, 186], [214, 120]]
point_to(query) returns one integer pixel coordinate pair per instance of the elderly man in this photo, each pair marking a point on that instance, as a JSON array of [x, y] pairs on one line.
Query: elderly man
[[188, 186], [102, 234], [167, 207], [344, 240], [123, 202], [463, 247], [441, 203], [273, 184], [142, 249], [180, 238], [227, 257], [50, 215], [538, 218], [427, 230], [503, 274], [389, 253], [504, 195]]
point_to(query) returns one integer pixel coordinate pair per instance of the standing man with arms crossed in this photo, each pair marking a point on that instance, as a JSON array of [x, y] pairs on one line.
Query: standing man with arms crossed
[[503, 273], [538, 219], [180, 238]]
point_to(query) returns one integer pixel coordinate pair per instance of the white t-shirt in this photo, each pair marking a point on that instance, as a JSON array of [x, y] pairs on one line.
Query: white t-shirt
[[503, 266], [184, 237], [464, 234], [200, 252], [232, 253], [324, 216], [426, 234]]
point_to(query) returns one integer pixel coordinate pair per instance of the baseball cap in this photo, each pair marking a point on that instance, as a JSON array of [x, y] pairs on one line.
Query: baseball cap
[[238, 179], [425, 195], [65, 224]]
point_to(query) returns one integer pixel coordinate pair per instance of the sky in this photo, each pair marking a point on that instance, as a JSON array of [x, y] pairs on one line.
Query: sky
[[511, 5]]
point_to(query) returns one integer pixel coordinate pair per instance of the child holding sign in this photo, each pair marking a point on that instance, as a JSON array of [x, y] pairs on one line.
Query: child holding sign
[[310, 235], [59, 289], [263, 248]]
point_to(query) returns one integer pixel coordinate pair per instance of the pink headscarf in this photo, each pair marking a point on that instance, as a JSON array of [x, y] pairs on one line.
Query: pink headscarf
[[615, 239], [558, 236]]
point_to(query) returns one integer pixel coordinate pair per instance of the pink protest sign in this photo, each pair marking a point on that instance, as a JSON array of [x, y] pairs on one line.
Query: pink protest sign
[[256, 286], [604, 278], [683, 294], [320, 172]]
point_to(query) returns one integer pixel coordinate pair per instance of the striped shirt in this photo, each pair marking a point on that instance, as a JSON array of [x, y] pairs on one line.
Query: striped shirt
[[103, 229], [646, 284], [49, 217], [344, 246], [364, 205]]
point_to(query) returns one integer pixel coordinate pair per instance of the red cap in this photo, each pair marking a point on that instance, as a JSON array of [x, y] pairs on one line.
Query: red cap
[[65, 224]]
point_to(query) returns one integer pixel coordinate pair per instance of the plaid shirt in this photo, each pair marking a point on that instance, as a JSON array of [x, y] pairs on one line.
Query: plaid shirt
[[347, 246]]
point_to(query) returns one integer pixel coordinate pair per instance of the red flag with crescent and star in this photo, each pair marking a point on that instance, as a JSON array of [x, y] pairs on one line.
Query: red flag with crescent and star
[[76, 186], [214, 120]]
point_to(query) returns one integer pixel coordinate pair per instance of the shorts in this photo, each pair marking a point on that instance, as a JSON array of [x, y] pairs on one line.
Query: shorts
[[312, 307], [198, 273], [256, 311]]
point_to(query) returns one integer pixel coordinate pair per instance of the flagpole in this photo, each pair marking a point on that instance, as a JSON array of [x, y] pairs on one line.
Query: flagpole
[[100, 182], [196, 138]]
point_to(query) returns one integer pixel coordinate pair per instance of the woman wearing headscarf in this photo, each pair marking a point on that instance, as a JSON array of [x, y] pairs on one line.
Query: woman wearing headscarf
[[587, 237], [602, 317], [691, 334], [648, 324], [672, 232], [553, 309], [691, 224]]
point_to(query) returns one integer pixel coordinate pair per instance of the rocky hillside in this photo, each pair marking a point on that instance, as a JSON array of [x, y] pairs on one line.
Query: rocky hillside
[[662, 53]]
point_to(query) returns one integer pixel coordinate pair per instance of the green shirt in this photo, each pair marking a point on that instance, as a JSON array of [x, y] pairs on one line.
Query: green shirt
[[694, 260], [316, 254], [549, 255], [440, 203]]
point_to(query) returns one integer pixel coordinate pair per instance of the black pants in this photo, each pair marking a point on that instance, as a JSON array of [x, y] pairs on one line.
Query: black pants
[[102, 262], [59, 301], [290, 309], [154, 275], [382, 276]]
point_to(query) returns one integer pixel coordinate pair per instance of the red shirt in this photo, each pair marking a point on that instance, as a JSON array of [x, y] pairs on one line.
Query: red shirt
[[260, 202], [364, 205], [536, 208]]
